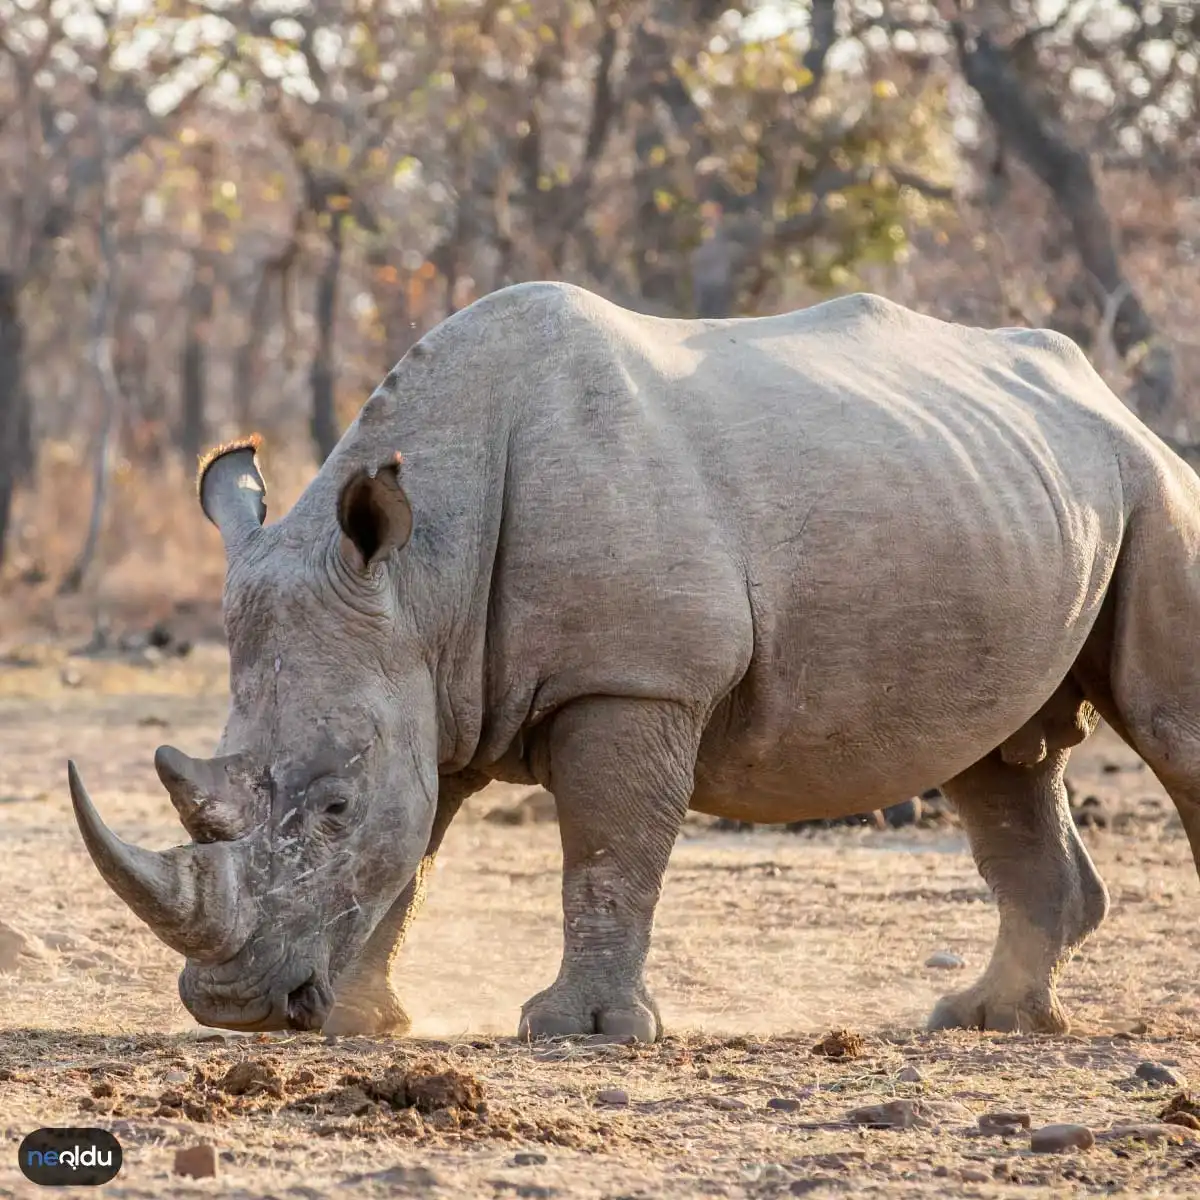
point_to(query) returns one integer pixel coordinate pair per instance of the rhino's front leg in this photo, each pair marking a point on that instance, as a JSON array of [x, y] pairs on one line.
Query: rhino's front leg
[[367, 1002], [621, 772]]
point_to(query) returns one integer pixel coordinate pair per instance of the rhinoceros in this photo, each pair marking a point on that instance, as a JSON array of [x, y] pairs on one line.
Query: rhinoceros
[[770, 569]]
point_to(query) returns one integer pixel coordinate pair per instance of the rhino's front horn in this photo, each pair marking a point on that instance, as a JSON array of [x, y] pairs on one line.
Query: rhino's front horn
[[200, 790], [188, 895]]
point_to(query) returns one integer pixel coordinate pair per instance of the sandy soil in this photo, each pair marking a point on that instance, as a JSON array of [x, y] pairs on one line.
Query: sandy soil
[[765, 942]]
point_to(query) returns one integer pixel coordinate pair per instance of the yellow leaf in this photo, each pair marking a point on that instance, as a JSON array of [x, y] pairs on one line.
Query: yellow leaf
[[658, 156], [885, 89]]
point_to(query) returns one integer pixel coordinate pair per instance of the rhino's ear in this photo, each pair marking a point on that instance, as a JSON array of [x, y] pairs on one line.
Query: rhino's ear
[[231, 489], [375, 515]]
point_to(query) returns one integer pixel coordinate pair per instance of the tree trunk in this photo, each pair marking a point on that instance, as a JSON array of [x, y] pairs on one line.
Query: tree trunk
[[100, 347], [324, 426], [194, 366], [15, 439], [1067, 172]]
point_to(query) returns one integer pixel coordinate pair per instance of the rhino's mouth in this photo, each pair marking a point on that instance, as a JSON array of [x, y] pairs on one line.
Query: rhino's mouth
[[298, 996], [309, 1005]]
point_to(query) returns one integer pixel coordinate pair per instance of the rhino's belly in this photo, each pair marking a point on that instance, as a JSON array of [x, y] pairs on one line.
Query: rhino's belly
[[849, 762], [871, 684]]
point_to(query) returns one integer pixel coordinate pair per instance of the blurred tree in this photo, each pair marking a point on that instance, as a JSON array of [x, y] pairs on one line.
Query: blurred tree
[[295, 194], [1029, 119]]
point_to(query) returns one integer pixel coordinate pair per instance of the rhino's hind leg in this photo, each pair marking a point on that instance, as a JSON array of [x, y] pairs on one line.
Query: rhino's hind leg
[[1048, 891], [367, 1003], [621, 772]]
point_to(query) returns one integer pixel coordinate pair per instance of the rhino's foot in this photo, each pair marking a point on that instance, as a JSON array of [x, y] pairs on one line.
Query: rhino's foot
[[1035, 1010], [560, 1011], [362, 1016]]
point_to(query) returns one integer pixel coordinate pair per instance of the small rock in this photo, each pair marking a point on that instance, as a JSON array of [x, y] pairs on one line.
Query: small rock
[[211, 1037], [200, 1162], [176, 1076], [728, 1103], [974, 1175], [944, 960], [941, 1171], [899, 1114], [617, 1097], [946, 1111], [784, 1104], [529, 1158], [71, 677], [1160, 1075], [1054, 1139], [1003, 1121], [910, 1074]]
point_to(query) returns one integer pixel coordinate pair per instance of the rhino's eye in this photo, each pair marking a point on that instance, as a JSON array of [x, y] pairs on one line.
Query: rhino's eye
[[329, 796]]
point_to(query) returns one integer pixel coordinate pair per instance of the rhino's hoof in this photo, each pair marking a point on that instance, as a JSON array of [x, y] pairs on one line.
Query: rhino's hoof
[[541, 1018], [1032, 1012], [368, 1020]]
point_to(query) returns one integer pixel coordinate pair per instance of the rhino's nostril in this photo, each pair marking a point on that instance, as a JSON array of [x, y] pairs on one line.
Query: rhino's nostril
[[308, 1005]]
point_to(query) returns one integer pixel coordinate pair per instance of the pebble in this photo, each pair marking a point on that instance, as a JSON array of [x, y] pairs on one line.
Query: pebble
[[1161, 1075], [613, 1096], [529, 1158], [944, 960], [728, 1103], [200, 1162], [974, 1175], [176, 1077], [784, 1104], [1054, 1139], [1003, 1121], [910, 1074]]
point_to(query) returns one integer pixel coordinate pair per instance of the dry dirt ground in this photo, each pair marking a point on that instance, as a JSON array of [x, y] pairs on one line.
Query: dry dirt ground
[[765, 942]]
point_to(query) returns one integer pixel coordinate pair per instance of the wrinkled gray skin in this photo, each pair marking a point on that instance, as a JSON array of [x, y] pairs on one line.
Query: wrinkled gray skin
[[775, 569]]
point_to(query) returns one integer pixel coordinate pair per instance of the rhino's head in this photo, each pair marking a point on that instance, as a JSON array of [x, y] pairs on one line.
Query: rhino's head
[[315, 813]]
